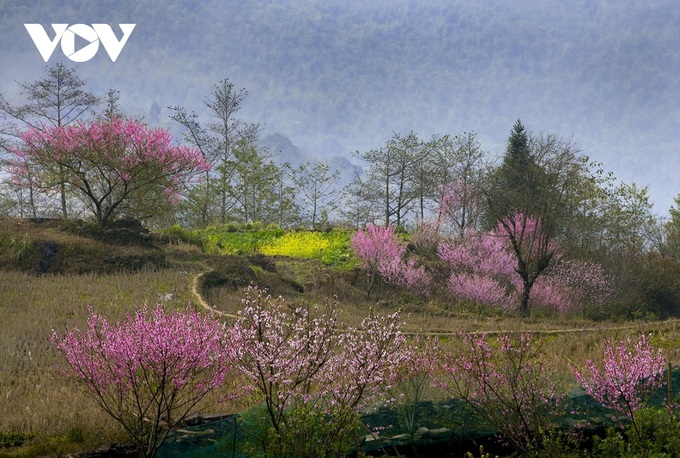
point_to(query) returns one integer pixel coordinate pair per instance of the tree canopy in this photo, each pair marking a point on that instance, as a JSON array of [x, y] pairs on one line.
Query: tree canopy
[[115, 167]]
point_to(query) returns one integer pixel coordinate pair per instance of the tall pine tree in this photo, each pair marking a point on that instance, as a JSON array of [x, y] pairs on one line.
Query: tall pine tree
[[520, 174], [517, 158]]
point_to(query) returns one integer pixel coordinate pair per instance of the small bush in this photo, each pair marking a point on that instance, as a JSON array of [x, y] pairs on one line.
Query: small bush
[[17, 248], [256, 430], [659, 437], [13, 438], [177, 233]]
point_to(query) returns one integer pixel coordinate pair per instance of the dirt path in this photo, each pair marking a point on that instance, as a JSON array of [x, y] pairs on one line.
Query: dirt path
[[647, 326], [196, 291]]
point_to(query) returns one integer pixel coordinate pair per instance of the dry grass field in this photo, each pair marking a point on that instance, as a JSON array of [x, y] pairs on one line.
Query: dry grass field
[[34, 398], [37, 401]]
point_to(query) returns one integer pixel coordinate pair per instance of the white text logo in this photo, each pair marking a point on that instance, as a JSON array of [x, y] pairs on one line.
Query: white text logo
[[91, 35]]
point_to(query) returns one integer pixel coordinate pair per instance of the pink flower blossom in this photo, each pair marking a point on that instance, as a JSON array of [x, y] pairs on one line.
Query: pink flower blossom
[[382, 253], [108, 163], [628, 376], [506, 383], [149, 371], [303, 360]]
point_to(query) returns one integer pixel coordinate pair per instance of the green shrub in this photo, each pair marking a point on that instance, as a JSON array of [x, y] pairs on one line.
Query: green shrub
[[660, 432], [17, 248], [306, 432], [256, 430], [177, 233], [13, 438]]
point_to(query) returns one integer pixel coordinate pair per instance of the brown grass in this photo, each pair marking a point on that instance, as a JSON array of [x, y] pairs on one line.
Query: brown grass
[[34, 397]]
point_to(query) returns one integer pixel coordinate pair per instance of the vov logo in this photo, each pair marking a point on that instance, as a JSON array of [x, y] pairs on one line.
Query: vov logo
[[91, 35]]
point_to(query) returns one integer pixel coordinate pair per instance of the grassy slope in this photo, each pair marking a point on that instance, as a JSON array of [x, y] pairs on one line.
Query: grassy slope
[[36, 400]]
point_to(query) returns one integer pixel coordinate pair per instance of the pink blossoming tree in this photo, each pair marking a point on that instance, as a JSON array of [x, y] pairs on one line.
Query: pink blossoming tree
[[507, 384], [628, 376], [312, 374], [283, 355], [425, 238], [486, 269], [588, 282], [382, 253], [416, 378], [115, 166], [371, 359], [149, 371], [533, 251]]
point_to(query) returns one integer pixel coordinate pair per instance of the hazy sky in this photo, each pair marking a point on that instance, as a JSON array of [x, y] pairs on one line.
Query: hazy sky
[[340, 76]]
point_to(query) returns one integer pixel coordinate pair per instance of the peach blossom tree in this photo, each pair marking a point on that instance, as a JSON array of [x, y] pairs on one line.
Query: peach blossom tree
[[627, 377], [113, 166], [149, 371], [313, 374], [383, 254]]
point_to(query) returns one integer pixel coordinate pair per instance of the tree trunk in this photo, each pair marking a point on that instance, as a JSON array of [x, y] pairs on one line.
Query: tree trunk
[[62, 189], [524, 300], [31, 199]]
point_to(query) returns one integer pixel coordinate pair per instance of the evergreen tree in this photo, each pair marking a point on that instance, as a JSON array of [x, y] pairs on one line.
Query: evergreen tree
[[517, 157], [672, 232], [519, 172], [675, 212]]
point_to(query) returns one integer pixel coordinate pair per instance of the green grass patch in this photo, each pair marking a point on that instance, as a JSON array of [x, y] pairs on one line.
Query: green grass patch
[[236, 242], [13, 438], [226, 238], [177, 233]]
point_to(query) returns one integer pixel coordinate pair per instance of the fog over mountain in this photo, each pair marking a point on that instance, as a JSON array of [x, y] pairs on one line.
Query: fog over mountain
[[333, 77]]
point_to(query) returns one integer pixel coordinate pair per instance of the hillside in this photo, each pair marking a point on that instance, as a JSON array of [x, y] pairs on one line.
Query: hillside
[[55, 246], [73, 247], [55, 272]]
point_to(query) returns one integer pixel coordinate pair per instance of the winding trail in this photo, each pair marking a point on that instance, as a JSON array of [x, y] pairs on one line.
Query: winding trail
[[196, 291]]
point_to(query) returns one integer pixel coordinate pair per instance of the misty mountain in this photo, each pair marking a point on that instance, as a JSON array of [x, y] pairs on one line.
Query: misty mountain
[[334, 77], [283, 150]]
